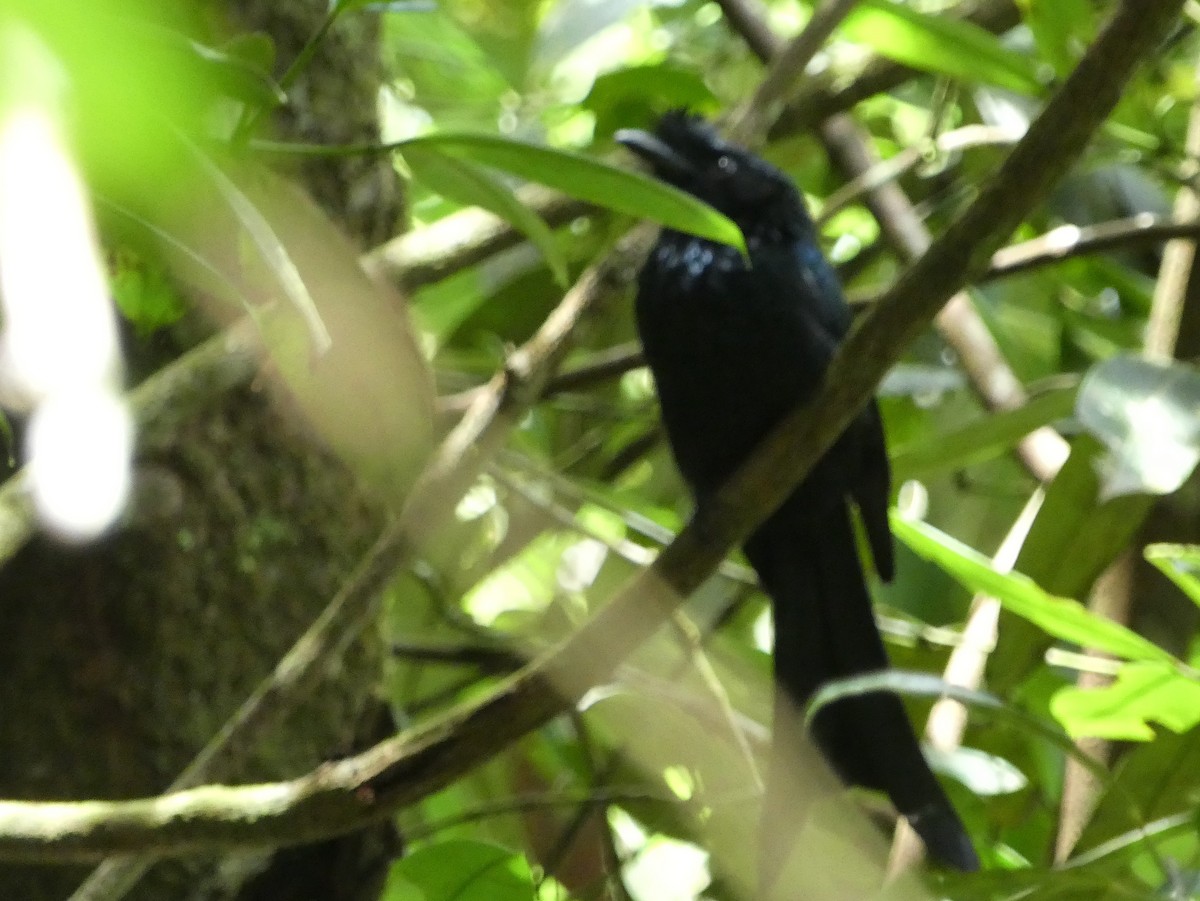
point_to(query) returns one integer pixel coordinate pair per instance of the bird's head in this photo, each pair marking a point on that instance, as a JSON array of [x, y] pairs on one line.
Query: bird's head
[[685, 151]]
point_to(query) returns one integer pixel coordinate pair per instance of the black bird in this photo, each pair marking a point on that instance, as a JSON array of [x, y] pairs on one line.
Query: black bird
[[734, 346]]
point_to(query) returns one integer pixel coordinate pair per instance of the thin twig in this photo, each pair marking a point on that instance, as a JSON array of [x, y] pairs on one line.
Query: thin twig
[[1068, 241], [818, 101], [787, 68], [885, 171]]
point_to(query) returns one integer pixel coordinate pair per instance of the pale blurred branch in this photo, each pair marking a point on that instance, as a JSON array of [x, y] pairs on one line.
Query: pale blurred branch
[[1069, 241], [462, 239]]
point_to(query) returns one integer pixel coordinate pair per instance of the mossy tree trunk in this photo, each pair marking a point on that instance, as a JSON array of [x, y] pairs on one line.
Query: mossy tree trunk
[[119, 661]]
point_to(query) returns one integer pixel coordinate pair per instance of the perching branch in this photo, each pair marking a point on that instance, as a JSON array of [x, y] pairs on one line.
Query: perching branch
[[397, 772]]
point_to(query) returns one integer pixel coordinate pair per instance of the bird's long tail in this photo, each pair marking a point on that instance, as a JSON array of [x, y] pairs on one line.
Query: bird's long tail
[[825, 630]]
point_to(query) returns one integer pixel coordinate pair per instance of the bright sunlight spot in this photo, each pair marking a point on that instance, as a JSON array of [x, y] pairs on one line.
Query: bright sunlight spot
[[79, 444], [59, 357]]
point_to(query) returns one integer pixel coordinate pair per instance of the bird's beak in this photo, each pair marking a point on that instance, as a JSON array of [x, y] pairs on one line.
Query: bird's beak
[[661, 157]]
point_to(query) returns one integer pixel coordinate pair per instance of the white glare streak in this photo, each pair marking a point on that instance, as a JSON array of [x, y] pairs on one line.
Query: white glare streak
[[58, 324], [80, 443], [59, 356]]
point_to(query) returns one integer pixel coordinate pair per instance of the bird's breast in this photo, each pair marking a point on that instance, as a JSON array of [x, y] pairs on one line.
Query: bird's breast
[[732, 349], [688, 261]]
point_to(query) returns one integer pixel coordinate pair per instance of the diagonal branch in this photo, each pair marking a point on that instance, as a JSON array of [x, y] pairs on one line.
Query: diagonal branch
[[397, 772]]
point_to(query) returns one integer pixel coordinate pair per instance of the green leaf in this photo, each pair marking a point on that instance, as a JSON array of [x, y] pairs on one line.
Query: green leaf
[[255, 48], [1062, 29], [938, 44], [441, 308], [1162, 775], [1142, 693], [1062, 618], [631, 96], [466, 183], [235, 69], [526, 582], [1072, 540], [1180, 563], [460, 871], [587, 179], [145, 294], [982, 440], [238, 77]]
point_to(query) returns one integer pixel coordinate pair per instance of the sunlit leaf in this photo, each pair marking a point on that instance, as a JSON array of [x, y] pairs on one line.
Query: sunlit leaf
[[938, 44], [631, 97], [1143, 693], [1061, 28], [1062, 618], [1145, 413], [466, 183], [568, 26], [588, 179], [460, 870], [528, 581]]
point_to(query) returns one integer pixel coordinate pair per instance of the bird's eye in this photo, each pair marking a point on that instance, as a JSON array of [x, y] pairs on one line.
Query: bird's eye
[[727, 165]]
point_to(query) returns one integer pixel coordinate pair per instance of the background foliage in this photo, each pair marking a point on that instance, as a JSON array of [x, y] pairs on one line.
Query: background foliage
[[625, 797]]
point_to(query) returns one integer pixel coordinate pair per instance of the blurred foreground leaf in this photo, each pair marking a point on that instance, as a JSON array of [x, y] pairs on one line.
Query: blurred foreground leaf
[[587, 179]]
